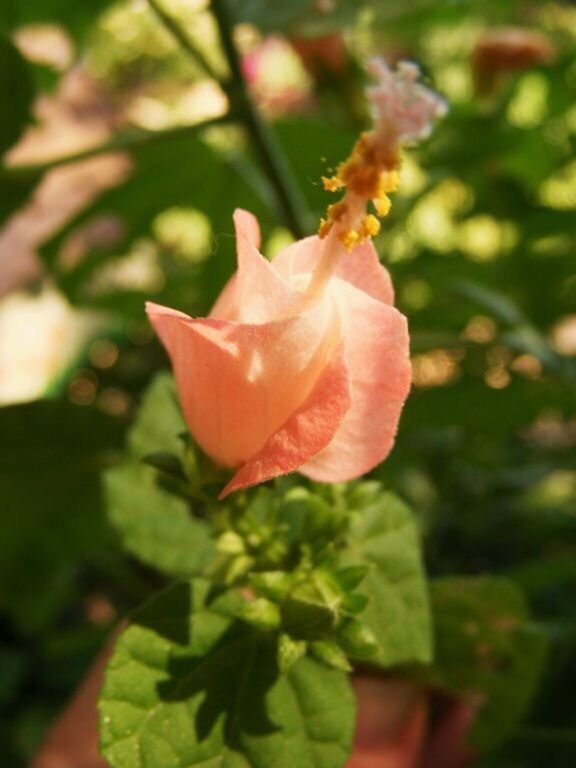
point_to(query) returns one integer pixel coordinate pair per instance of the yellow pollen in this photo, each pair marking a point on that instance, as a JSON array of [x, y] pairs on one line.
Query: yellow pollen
[[370, 226], [370, 173], [382, 205], [337, 210], [404, 112], [332, 183], [350, 239], [388, 182], [324, 227]]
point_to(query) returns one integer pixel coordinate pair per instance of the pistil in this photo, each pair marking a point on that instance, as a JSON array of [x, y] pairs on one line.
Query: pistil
[[404, 113]]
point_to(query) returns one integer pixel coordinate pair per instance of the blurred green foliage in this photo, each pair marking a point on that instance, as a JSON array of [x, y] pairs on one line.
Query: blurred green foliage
[[480, 244]]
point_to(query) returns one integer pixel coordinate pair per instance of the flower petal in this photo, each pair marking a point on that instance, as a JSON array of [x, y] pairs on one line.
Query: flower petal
[[247, 223], [361, 266], [307, 431], [376, 345], [257, 293], [239, 383]]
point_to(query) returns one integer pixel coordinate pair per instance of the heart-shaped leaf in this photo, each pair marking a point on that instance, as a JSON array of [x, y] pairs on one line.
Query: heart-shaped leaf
[[190, 685]]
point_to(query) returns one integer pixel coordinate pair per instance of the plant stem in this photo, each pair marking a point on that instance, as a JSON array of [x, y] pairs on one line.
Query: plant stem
[[292, 206], [183, 40], [121, 141]]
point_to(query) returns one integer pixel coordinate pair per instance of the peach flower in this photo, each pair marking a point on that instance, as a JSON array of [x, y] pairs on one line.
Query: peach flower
[[270, 383], [303, 362]]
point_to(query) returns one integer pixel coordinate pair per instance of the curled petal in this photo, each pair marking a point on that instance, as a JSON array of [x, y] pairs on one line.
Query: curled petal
[[257, 293], [247, 225], [239, 383], [360, 266], [376, 345], [307, 431]]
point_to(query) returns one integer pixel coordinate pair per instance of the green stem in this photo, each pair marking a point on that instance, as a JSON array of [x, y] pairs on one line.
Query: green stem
[[292, 206], [121, 141], [185, 42]]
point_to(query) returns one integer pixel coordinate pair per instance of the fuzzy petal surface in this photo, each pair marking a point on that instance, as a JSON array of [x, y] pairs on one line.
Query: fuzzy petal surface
[[256, 293], [361, 266], [307, 431], [239, 383], [376, 345]]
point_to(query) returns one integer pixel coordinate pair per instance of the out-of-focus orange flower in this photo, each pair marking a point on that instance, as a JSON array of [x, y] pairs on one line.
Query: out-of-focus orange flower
[[508, 49], [321, 54]]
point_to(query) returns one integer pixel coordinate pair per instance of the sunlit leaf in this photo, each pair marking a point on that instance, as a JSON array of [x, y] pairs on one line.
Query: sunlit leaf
[[190, 685], [384, 535]]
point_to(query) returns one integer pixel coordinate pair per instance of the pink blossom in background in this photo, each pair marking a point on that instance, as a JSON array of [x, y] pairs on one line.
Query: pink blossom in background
[[277, 379], [277, 78]]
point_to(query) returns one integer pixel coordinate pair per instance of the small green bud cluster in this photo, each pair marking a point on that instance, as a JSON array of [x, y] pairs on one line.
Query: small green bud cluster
[[282, 546], [276, 529], [284, 550], [313, 610]]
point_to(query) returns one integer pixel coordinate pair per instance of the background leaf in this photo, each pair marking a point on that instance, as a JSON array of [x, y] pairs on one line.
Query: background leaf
[[51, 500], [486, 650]]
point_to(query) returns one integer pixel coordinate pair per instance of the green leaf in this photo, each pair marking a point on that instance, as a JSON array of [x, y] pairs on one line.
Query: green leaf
[[486, 649], [261, 613], [188, 685], [312, 608], [16, 94], [159, 423], [350, 578], [272, 584], [156, 526], [290, 651], [357, 640], [331, 654], [385, 535], [493, 301], [53, 517]]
